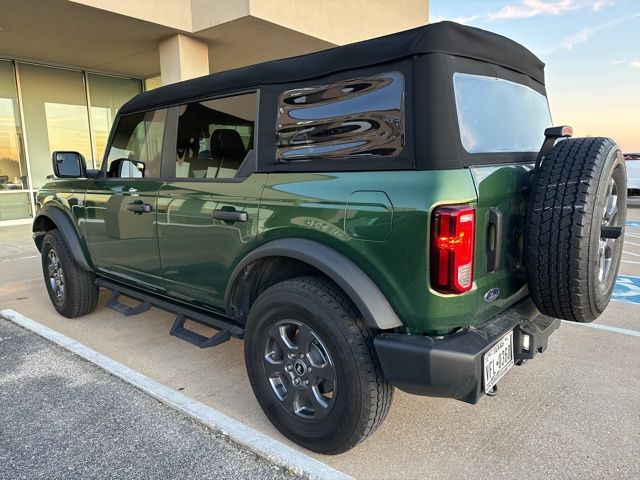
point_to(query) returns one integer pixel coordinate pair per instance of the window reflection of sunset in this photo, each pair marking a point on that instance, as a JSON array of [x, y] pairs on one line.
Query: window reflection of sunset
[[101, 121], [8, 138], [67, 126]]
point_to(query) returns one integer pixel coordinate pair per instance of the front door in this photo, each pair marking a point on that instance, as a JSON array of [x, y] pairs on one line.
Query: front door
[[208, 207], [121, 205]]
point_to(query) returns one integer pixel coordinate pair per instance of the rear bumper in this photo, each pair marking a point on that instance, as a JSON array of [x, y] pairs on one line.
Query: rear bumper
[[451, 366]]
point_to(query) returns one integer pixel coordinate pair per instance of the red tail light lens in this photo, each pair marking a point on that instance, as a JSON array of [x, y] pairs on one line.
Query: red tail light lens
[[452, 248]]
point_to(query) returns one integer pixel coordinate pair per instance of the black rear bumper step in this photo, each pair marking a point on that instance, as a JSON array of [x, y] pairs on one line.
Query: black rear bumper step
[[451, 366], [227, 329]]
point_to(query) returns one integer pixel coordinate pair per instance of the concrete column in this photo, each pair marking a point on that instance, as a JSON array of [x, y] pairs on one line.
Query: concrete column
[[183, 57]]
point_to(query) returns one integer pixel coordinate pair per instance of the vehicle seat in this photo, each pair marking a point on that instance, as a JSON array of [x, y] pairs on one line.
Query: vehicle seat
[[227, 147]]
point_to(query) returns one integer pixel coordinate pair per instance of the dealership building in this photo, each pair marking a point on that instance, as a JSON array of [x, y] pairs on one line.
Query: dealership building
[[66, 66]]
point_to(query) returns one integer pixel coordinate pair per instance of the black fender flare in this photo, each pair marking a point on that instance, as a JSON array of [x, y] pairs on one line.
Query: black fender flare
[[357, 285], [68, 230]]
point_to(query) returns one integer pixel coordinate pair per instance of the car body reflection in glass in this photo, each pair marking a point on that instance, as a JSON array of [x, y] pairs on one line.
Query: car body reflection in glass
[[351, 118]]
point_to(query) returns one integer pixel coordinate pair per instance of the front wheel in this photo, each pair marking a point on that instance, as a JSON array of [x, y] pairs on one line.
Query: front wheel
[[72, 290], [312, 366]]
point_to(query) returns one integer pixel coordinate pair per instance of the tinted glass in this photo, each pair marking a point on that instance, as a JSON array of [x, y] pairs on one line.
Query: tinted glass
[[13, 169], [497, 115], [215, 137], [107, 94], [137, 145], [352, 118], [55, 114]]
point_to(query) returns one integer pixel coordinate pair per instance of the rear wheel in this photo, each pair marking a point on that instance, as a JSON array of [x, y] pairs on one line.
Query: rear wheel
[[72, 290], [575, 225], [313, 367]]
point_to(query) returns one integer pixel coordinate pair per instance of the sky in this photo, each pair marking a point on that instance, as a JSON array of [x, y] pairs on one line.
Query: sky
[[592, 53]]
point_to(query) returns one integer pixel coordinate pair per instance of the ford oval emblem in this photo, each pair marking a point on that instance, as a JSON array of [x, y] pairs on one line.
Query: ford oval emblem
[[491, 295]]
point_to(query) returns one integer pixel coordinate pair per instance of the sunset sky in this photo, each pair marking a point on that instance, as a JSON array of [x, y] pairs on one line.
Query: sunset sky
[[592, 53]]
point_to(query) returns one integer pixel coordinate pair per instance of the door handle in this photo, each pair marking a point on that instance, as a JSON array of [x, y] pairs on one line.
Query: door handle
[[140, 207], [494, 239], [229, 215]]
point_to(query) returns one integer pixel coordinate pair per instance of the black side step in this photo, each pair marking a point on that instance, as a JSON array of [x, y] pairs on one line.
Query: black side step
[[226, 327], [178, 330], [114, 304]]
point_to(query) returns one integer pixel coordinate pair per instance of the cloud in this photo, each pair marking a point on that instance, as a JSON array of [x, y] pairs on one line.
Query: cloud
[[635, 63], [585, 34], [531, 8]]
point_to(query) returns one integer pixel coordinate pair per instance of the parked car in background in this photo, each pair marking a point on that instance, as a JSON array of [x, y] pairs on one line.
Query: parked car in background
[[632, 160]]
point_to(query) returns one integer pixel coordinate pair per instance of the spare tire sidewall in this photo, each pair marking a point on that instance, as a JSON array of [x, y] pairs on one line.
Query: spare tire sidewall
[[613, 167]]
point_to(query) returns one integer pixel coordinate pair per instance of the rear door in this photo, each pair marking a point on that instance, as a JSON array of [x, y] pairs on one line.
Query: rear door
[[121, 205], [208, 207], [506, 119], [500, 216]]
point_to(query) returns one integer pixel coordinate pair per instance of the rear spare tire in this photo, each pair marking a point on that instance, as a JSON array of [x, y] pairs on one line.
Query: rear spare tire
[[577, 205]]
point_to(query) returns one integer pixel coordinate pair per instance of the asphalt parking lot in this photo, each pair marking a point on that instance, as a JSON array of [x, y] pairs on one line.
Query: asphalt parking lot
[[573, 412], [62, 417]]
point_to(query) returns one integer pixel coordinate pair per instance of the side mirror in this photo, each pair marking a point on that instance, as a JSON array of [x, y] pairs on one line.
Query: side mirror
[[131, 169], [68, 164]]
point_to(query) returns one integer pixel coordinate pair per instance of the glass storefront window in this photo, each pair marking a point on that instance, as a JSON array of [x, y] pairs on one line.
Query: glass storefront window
[[55, 115], [107, 94], [53, 103], [13, 169]]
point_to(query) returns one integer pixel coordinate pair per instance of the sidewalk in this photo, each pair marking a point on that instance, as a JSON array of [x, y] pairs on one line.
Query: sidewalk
[[62, 417]]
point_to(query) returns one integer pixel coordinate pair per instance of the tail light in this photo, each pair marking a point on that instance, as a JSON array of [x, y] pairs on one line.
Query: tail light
[[452, 248]]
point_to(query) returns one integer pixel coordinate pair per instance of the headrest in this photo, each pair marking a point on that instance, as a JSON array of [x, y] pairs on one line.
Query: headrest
[[227, 143]]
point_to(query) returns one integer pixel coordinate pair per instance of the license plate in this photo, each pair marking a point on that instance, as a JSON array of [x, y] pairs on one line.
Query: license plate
[[498, 361]]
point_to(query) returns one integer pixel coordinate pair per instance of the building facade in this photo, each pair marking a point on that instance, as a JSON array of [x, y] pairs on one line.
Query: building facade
[[66, 66]]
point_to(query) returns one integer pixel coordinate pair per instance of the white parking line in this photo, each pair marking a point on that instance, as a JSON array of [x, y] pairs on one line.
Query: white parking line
[[257, 442], [19, 258], [609, 328]]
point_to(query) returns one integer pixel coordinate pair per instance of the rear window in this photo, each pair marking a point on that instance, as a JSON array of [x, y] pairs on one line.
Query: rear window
[[497, 115]]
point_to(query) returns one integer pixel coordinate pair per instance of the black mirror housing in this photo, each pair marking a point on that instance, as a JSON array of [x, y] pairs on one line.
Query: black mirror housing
[[68, 164]]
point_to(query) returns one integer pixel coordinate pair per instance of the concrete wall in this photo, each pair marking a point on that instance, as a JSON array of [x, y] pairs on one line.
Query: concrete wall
[[334, 21], [170, 13], [341, 22]]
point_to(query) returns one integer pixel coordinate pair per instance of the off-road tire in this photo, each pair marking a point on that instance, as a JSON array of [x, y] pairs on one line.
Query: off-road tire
[[362, 395], [565, 212], [80, 292]]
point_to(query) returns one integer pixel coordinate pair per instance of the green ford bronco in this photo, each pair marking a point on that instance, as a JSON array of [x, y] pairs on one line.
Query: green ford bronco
[[398, 212]]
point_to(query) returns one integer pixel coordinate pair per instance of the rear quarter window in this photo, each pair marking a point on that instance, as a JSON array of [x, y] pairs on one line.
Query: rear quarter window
[[362, 117], [497, 115]]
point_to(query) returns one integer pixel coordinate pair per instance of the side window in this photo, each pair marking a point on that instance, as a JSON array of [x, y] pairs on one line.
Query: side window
[[137, 145], [215, 137], [362, 117]]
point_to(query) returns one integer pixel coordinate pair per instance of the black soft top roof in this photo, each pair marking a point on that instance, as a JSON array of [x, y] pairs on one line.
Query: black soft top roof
[[444, 37]]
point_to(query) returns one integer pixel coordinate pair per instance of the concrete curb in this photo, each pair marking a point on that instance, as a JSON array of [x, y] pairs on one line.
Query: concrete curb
[[259, 443]]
